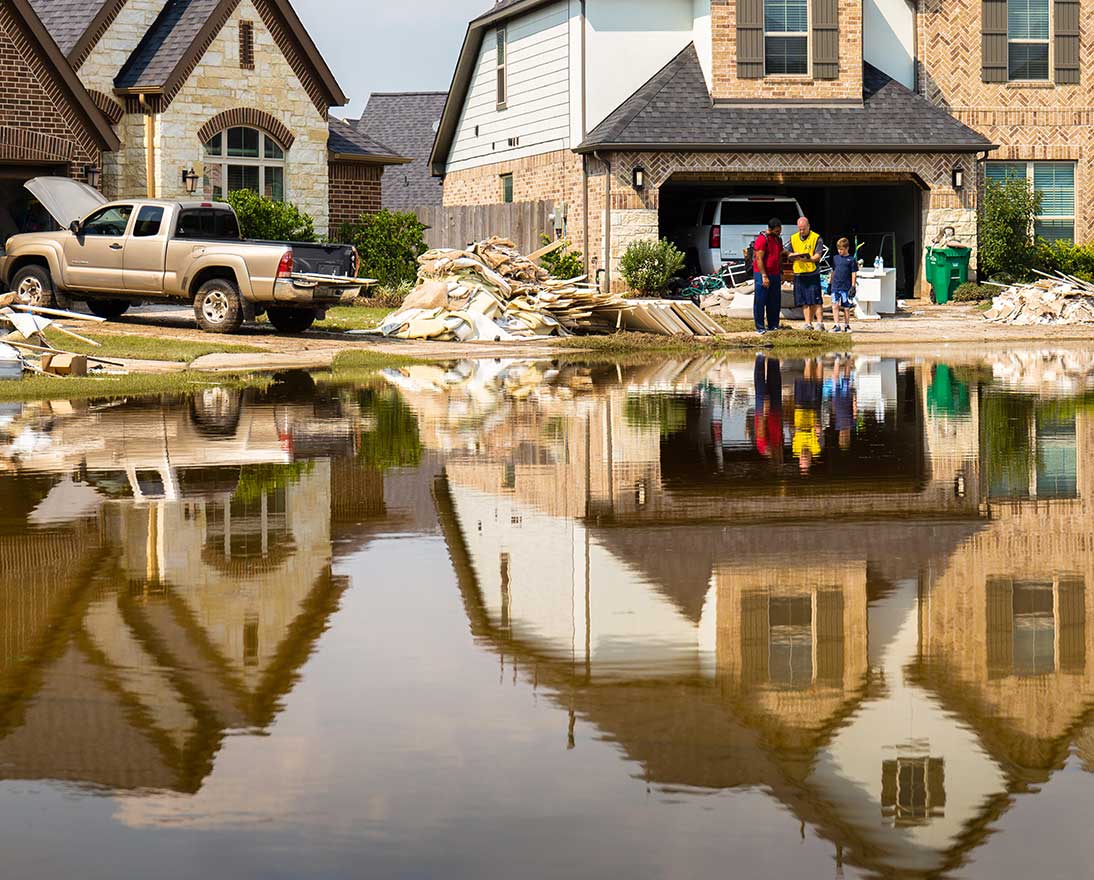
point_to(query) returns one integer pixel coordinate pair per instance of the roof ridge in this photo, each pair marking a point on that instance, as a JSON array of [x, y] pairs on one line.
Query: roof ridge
[[404, 94], [627, 120]]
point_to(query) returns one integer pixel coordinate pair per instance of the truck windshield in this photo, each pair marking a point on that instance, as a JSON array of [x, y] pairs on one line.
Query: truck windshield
[[207, 223]]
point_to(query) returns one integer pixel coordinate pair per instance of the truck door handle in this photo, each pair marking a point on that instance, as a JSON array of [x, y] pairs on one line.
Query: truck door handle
[[115, 247]]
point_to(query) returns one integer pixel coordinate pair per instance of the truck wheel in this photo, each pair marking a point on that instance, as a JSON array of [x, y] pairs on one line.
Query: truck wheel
[[218, 306], [290, 320], [108, 308], [33, 286]]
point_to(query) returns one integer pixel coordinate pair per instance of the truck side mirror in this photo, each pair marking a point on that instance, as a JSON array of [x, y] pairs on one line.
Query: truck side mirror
[[74, 227]]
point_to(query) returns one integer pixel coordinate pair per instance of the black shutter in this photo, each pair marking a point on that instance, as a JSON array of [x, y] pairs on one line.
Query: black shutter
[[1000, 634], [1071, 614], [1066, 28], [750, 39], [993, 40], [825, 39]]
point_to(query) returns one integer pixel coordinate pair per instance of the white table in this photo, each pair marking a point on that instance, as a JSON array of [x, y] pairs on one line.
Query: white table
[[876, 294]]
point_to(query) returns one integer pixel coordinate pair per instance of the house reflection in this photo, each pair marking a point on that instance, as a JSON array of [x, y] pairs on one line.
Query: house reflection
[[894, 658]]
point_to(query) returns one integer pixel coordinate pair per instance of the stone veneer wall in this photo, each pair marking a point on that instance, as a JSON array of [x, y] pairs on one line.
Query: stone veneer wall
[[1030, 121], [37, 124], [354, 190], [727, 86]]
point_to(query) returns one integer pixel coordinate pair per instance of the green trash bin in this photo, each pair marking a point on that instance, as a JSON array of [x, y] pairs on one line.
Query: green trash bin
[[947, 269]]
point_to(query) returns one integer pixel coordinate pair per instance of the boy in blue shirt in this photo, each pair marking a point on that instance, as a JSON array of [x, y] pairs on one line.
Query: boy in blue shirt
[[842, 285]]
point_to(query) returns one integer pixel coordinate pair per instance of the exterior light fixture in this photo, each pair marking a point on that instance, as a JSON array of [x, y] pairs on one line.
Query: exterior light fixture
[[639, 178], [94, 175], [958, 178], [189, 180]]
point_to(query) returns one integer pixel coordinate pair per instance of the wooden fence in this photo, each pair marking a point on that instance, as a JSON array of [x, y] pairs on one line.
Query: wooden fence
[[455, 226]]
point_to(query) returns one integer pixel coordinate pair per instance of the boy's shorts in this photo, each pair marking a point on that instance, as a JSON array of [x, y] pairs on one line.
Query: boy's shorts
[[843, 299]]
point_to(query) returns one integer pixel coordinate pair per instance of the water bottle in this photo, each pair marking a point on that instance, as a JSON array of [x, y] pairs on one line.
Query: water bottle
[[879, 264]]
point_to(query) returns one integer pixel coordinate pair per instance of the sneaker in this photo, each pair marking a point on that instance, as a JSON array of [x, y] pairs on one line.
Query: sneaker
[[760, 332], [835, 328], [807, 327], [846, 328]]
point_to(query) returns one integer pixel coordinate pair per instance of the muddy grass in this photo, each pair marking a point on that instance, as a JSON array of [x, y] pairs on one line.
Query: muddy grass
[[146, 348], [112, 387]]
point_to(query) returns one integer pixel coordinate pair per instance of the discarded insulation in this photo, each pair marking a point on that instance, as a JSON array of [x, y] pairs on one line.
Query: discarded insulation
[[1062, 299], [26, 349], [493, 292]]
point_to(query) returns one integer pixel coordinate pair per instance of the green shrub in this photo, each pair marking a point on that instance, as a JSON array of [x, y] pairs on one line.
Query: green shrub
[[972, 292], [388, 297], [389, 243], [1007, 248], [649, 266], [267, 220], [563, 263], [1063, 256]]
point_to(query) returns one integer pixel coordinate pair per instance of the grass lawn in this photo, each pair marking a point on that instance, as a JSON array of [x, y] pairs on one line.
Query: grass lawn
[[150, 348], [107, 387], [364, 360], [353, 318]]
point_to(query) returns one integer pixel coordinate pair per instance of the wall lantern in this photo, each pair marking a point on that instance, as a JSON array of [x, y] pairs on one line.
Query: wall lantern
[[958, 178], [94, 175], [189, 180], [639, 178]]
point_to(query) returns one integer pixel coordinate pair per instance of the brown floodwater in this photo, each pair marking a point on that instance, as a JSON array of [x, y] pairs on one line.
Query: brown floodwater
[[679, 618]]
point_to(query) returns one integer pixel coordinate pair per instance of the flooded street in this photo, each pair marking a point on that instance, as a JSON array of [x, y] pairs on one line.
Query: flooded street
[[682, 618]]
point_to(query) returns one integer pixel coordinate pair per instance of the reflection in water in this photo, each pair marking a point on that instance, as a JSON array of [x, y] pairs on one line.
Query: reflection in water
[[857, 584]]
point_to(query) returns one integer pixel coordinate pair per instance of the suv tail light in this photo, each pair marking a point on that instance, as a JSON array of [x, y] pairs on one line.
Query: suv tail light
[[716, 236], [284, 268]]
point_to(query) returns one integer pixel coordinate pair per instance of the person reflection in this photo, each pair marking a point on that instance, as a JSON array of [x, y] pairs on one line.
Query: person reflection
[[769, 408], [808, 393], [844, 405]]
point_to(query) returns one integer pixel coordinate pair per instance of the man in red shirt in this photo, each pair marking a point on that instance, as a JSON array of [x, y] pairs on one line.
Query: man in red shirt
[[768, 269]]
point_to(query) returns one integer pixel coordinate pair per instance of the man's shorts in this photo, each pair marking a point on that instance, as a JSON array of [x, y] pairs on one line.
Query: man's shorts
[[843, 299], [807, 290]]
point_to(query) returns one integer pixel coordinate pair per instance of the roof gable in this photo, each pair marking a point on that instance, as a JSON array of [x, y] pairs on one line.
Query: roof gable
[[175, 43], [674, 110]]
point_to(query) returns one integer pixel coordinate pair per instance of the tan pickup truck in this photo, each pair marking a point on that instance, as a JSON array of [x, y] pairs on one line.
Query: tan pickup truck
[[115, 254]]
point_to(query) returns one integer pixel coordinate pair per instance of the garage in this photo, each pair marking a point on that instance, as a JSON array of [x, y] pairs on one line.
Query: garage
[[881, 213], [19, 210]]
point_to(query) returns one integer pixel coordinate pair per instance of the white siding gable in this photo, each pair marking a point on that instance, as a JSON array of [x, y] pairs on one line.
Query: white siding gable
[[537, 110]]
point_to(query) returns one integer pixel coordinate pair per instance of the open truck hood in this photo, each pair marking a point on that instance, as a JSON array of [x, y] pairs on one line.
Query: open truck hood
[[64, 198]]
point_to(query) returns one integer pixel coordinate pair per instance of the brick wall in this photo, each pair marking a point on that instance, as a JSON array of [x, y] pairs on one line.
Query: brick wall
[[37, 122], [354, 190], [728, 87], [1030, 121]]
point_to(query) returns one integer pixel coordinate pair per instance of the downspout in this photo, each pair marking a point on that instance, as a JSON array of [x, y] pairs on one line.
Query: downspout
[[584, 134], [607, 220]]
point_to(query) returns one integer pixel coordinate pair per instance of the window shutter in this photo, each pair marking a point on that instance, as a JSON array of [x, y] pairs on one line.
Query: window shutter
[[1000, 620], [750, 39], [825, 39], [1066, 26], [993, 40]]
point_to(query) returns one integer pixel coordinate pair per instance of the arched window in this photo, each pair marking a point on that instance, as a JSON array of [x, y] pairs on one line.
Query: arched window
[[244, 158]]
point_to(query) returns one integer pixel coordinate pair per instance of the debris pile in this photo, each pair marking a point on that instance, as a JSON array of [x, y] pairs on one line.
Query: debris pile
[[26, 349], [493, 292], [1060, 299]]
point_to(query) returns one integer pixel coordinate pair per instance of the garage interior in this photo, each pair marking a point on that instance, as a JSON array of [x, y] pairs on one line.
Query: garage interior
[[19, 210], [884, 212]]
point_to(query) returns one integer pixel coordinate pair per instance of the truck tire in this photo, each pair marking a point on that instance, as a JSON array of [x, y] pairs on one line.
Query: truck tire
[[290, 320], [218, 307], [33, 286], [108, 308]]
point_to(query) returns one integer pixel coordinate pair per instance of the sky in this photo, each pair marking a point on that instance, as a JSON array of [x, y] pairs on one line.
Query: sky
[[384, 46]]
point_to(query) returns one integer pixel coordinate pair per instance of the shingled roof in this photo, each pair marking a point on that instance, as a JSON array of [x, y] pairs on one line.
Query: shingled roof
[[407, 122], [67, 20], [346, 142], [674, 110]]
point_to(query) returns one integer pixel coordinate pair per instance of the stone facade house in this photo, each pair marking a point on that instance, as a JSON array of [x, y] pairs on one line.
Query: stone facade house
[[407, 122], [233, 90], [881, 117], [49, 124]]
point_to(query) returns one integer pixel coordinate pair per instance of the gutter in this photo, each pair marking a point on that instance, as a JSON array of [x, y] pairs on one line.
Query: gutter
[[647, 147]]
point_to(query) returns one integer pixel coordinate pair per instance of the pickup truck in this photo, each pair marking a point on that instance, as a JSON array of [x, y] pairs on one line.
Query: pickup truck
[[114, 254]]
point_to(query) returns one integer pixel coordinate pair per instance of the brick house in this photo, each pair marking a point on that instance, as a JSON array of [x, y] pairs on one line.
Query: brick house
[[48, 122], [882, 117], [233, 90]]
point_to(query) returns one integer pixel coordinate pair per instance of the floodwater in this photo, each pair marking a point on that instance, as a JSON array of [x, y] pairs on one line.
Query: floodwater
[[719, 617]]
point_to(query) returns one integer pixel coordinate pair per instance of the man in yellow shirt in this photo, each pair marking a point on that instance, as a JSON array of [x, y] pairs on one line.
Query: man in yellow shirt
[[806, 250]]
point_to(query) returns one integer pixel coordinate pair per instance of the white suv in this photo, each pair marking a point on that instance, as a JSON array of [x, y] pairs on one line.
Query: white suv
[[724, 228]]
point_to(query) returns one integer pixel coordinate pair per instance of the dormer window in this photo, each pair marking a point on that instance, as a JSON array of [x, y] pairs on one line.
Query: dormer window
[[786, 37]]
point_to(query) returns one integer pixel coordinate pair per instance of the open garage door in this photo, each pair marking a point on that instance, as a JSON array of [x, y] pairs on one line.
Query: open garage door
[[882, 213], [19, 210]]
